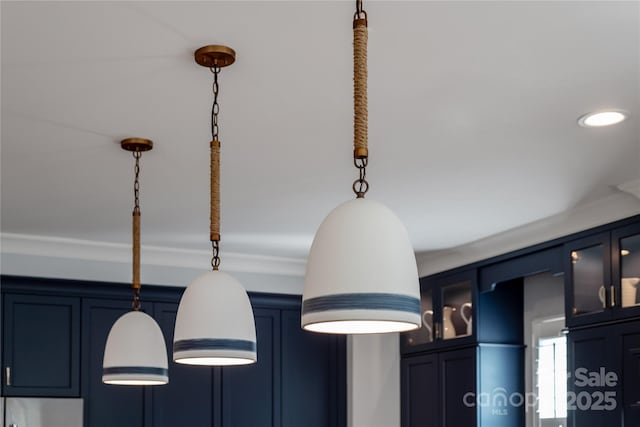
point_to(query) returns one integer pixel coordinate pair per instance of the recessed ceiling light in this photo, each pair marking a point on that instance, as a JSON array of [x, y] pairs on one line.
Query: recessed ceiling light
[[602, 118]]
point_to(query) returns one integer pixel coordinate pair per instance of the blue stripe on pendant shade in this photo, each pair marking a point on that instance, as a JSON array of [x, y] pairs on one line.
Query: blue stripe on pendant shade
[[116, 370], [214, 344], [362, 301]]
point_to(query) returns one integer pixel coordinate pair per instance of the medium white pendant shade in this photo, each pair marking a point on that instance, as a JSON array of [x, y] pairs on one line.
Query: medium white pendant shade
[[135, 353], [361, 273], [215, 324]]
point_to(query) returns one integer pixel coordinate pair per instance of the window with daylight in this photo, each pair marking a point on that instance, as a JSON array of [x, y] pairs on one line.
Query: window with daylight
[[550, 372], [552, 379]]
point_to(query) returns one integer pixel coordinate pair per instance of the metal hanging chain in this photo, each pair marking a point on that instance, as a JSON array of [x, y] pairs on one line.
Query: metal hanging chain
[[136, 182], [215, 260], [361, 186], [136, 234], [360, 12], [135, 304], [215, 109], [360, 104], [215, 174]]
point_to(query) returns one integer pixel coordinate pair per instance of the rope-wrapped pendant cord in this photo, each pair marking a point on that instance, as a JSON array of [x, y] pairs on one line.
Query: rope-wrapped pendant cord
[[214, 185], [215, 202], [136, 234], [360, 108], [136, 260], [360, 102]]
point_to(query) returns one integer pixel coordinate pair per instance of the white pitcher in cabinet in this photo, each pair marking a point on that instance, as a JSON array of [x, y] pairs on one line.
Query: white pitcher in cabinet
[[467, 319], [449, 330]]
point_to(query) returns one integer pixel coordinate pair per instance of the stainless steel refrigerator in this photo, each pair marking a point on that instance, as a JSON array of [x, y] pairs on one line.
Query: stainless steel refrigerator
[[40, 412]]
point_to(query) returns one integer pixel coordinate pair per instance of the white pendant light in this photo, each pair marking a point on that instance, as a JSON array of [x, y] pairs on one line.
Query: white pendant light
[[215, 324], [135, 353], [361, 273]]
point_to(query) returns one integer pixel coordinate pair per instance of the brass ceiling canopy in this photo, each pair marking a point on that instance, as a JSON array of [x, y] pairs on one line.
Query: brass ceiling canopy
[[136, 144], [215, 56]]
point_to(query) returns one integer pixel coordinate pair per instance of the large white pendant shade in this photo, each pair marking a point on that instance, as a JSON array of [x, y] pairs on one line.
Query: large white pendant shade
[[215, 324], [135, 353], [361, 273]]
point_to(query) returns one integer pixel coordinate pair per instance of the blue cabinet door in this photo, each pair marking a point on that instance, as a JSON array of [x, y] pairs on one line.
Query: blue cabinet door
[[41, 346], [588, 283], [313, 376], [592, 355], [457, 378], [188, 399], [251, 393], [631, 374], [625, 262], [420, 392], [106, 405]]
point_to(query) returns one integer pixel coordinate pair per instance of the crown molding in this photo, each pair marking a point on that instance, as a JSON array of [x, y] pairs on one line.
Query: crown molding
[[608, 209], [631, 187], [152, 256]]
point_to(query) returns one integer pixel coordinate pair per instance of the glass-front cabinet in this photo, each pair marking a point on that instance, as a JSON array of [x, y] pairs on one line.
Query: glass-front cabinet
[[447, 312], [425, 334], [603, 276], [625, 245]]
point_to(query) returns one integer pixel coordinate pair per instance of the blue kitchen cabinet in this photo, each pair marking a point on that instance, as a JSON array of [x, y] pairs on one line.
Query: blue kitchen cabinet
[[299, 379], [420, 390], [57, 329], [251, 393], [435, 387], [448, 306], [631, 370], [41, 346], [312, 385], [457, 378], [587, 356], [602, 276], [463, 387], [604, 368]]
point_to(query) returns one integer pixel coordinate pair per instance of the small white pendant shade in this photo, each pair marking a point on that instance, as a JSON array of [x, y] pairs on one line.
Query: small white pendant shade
[[135, 353], [361, 273], [215, 324]]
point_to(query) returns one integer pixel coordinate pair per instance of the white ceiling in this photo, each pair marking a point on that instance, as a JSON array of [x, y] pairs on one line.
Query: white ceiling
[[472, 107]]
